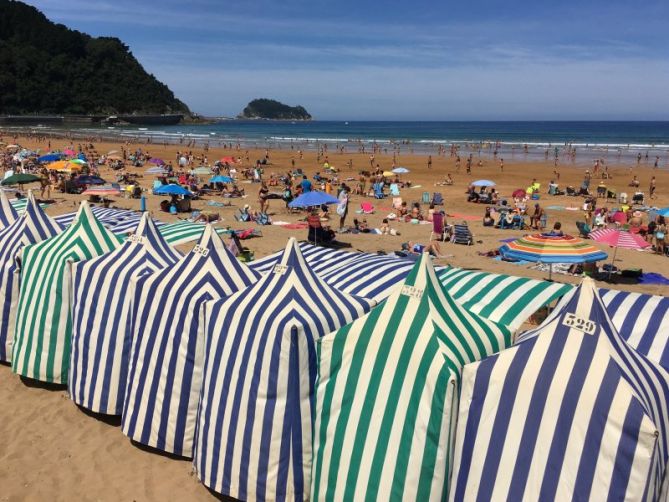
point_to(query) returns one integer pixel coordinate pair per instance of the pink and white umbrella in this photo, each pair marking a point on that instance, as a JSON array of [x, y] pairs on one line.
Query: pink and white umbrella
[[618, 239], [69, 152]]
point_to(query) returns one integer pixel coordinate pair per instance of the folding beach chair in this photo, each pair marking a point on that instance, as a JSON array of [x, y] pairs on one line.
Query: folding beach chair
[[462, 235], [426, 198], [437, 199], [583, 229], [378, 190], [394, 190]]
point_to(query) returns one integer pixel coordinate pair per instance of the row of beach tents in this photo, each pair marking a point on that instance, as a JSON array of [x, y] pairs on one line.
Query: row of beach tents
[[316, 374]]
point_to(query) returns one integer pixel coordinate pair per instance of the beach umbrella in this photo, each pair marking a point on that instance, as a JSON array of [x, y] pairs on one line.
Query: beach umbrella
[[112, 152], [101, 313], [400, 170], [172, 190], [49, 157], [570, 412], [20, 179], [69, 152], [102, 191], [12, 147], [546, 248], [518, 193], [162, 393], [392, 377], [388, 174], [202, 170], [156, 161], [63, 165], [82, 156], [313, 198], [618, 239], [663, 212], [90, 180], [221, 179], [41, 349], [229, 160], [114, 157], [260, 361], [78, 161], [483, 183]]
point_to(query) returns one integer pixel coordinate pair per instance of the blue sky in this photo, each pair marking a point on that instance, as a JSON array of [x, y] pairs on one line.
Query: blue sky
[[392, 60]]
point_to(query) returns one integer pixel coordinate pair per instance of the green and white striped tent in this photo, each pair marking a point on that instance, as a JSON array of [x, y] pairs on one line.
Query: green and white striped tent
[[44, 320], [387, 394], [182, 232]]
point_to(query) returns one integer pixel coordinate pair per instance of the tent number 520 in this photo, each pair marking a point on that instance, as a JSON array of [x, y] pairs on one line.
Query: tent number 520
[[584, 325]]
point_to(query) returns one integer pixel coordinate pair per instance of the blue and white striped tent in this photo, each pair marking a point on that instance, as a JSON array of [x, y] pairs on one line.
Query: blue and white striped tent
[[572, 412], [504, 299], [166, 359], [643, 320], [108, 216], [8, 214], [31, 227], [101, 289], [254, 432]]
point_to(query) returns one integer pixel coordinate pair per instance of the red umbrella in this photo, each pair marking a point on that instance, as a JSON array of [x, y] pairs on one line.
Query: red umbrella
[[620, 217], [229, 160], [519, 193]]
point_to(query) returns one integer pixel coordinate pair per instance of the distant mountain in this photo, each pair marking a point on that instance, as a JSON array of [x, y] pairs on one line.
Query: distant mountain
[[272, 109], [47, 68]]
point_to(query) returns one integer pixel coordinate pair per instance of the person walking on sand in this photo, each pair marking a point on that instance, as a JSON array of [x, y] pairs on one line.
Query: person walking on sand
[[429, 162], [501, 165], [652, 188]]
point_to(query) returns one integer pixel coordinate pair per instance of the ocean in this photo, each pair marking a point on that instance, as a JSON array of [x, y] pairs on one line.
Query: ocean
[[621, 140]]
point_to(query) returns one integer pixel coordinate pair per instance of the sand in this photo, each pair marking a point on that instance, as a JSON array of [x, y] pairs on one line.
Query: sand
[[51, 449]]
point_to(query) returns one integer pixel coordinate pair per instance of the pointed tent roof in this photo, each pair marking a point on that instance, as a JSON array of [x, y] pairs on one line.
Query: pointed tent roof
[[386, 387], [43, 323], [32, 226], [8, 214], [254, 425], [164, 376], [569, 411], [101, 288]]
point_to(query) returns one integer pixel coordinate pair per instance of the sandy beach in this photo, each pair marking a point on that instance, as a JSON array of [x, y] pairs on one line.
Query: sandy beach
[[53, 450]]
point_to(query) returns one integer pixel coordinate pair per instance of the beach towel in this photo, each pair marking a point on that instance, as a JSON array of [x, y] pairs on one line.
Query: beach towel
[[295, 226], [654, 278], [466, 217], [556, 208]]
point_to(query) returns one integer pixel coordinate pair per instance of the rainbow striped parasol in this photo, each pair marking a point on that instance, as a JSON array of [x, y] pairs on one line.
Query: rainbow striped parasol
[[547, 248]]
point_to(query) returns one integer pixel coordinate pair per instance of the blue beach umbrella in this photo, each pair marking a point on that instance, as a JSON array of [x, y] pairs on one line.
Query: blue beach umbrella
[[51, 157], [313, 198], [172, 190], [663, 212], [483, 183], [90, 180], [221, 179]]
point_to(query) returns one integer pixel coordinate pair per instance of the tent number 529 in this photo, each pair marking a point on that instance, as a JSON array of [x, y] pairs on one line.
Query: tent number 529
[[584, 325]]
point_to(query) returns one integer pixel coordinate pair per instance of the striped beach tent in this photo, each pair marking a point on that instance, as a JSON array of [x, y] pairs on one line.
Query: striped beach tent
[[183, 232], [571, 412], [105, 215], [8, 214], [166, 361], [643, 320], [101, 289], [503, 299], [31, 227], [44, 322], [387, 392], [255, 421]]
